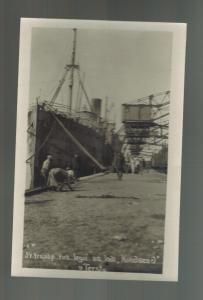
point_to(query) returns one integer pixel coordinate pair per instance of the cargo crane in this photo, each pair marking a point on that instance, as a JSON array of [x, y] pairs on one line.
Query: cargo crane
[[145, 125]]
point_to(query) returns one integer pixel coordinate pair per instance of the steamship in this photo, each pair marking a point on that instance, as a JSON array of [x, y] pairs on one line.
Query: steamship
[[58, 130]]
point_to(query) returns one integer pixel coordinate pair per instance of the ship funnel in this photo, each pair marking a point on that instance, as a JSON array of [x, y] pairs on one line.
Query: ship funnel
[[96, 106]]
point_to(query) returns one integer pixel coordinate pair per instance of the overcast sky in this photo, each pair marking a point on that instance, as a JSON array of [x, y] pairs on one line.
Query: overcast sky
[[120, 65]]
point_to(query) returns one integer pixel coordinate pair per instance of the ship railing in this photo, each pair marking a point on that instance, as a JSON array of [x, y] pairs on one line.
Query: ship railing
[[64, 111]]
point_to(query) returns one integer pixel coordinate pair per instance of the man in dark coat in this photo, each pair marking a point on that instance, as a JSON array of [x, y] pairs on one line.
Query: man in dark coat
[[76, 166], [119, 162]]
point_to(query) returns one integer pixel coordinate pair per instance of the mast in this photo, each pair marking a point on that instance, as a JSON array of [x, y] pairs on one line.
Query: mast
[[72, 67]]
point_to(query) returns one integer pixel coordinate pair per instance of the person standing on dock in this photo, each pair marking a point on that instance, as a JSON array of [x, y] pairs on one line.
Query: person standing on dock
[[46, 166], [118, 163], [142, 165], [76, 166], [132, 164], [137, 165], [71, 175]]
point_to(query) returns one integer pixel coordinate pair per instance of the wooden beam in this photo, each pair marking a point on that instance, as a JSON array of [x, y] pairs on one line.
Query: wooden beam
[[77, 143]]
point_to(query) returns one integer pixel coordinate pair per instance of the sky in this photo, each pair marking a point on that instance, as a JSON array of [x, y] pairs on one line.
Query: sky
[[118, 64]]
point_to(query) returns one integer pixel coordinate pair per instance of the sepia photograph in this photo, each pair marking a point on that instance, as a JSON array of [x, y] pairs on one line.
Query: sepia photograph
[[98, 149]]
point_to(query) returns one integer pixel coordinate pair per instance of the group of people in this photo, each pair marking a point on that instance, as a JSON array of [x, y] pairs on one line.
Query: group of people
[[57, 178], [134, 165], [137, 165]]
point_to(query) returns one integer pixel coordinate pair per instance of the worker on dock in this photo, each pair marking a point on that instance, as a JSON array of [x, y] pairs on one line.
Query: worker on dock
[[76, 166], [137, 165], [71, 175], [118, 164], [58, 177], [141, 165], [132, 164], [46, 166]]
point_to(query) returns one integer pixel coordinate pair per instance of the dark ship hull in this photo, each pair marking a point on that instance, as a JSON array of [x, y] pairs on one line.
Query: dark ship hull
[[46, 137]]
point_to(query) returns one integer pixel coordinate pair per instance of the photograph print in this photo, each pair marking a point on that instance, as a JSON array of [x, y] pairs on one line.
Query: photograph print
[[98, 149]]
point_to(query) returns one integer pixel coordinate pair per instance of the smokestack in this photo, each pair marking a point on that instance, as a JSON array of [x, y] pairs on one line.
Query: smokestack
[[96, 106]]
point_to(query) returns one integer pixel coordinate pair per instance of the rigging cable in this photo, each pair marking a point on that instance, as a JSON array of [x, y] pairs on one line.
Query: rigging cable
[[83, 88]]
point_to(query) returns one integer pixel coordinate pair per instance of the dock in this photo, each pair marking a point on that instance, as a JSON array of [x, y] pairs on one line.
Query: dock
[[122, 220]]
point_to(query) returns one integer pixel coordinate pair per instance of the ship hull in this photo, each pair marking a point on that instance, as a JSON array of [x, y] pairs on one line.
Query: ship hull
[[48, 138]]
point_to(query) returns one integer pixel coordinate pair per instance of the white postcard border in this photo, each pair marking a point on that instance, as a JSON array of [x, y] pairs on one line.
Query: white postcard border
[[171, 247]]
